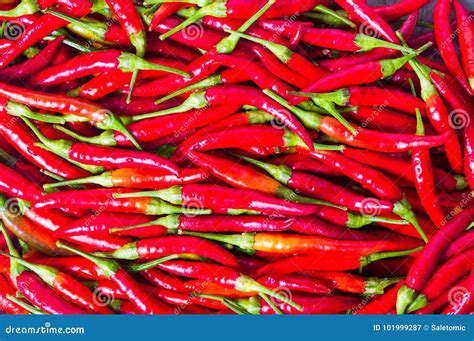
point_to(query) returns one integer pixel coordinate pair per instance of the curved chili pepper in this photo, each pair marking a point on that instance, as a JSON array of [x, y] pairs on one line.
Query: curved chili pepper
[[18, 136], [426, 262], [425, 181], [95, 157], [382, 119], [382, 304], [98, 62], [465, 38], [364, 14], [17, 186], [224, 276], [152, 248], [209, 224], [238, 10], [70, 288], [105, 199], [224, 200], [315, 245], [319, 188], [6, 305], [163, 280], [164, 11], [33, 65], [397, 166], [103, 118], [137, 295], [443, 34], [352, 283], [399, 9], [42, 296], [447, 274], [463, 243], [37, 31], [295, 283], [138, 178]]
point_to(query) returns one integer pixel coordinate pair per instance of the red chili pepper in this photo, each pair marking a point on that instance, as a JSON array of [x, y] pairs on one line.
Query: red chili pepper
[[224, 200], [407, 29], [163, 280], [43, 297], [102, 118], [447, 274], [65, 285], [315, 245], [320, 188], [382, 119], [239, 10], [7, 306], [463, 243], [13, 131], [398, 165], [17, 186], [152, 248], [97, 156], [210, 224], [37, 31], [77, 266], [99, 224], [136, 294], [373, 96], [164, 11], [465, 304], [138, 178], [444, 34], [329, 304], [295, 283], [202, 287], [381, 304], [399, 9], [98, 62], [105, 199], [139, 105], [426, 262], [224, 276], [465, 32], [33, 65]]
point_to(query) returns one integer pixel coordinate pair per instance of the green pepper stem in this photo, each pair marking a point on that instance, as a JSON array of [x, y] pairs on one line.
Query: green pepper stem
[[376, 286], [108, 267], [244, 240], [94, 30], [331, 108], [366, 260], [171, 222], [337, 17], [104, 180], [405, 297], [215, 9], [46, 273], [149, 265], [171, 194], [282, 52], [20, 110], [271, 304], [25, 7], [228, 44], [197, 100], [199, 3], [15, 267], [205, 83], [106, 138], [403, 209], [310, 119]]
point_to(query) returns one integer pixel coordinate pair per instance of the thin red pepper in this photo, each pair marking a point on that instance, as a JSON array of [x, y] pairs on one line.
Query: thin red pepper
[[465, 32], [15, 185], [399, 9], [132, 289], [6, 305], [425, 263], [444, 33], [163, 12], [163, 280], [224, 200], [381, 304]]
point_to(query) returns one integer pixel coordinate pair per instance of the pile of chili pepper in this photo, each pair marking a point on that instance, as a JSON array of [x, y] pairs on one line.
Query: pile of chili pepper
[[236, 157]]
